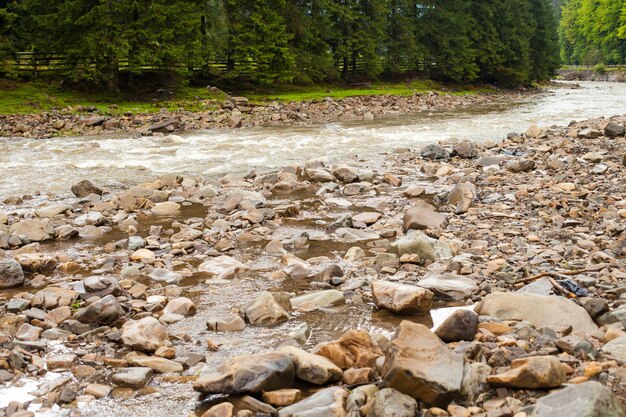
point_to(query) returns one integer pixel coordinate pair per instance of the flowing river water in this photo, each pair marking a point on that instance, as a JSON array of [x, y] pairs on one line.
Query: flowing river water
[[52, 165]]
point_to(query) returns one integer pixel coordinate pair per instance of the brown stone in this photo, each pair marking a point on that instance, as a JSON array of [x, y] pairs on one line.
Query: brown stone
[[537, 372], [354, 348]]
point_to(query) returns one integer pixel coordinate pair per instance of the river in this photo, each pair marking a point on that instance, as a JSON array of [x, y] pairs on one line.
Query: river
[[52, 165]]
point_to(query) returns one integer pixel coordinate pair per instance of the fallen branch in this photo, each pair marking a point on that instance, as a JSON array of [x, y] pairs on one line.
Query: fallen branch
[[553, 275]]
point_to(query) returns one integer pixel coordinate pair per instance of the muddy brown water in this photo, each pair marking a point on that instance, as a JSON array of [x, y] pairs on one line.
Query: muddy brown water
[[51, 166]]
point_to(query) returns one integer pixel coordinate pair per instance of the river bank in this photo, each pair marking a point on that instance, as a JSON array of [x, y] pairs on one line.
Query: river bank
[[610, 75], [223, 111], [126, 302]]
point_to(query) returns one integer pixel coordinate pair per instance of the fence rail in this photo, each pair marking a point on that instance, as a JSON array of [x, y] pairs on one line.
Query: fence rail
[[40, 63]]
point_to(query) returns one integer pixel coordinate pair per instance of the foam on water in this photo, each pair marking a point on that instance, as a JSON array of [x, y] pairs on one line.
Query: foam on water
[[52, 165]]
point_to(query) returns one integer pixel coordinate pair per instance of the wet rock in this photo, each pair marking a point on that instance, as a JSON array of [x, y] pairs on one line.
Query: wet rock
[[523, 165], [449, 286], [61, 361], [160, 365], [53, 297], [589, 399], [165, 275], [167, 126], [551, 311], [98, 390], [104, 311], [538, 372], [318, 299], [166, 208], [423, 217], [465, 150], [84, 188], [616, 349], [389, 402], [132, 377], [223, 267], [614, 130], [418, 243], [329, 402], [313, 368], [92, 121], [401, 298], [265, 309], [419, 364], [52, 210], [475, 380], [181, 305], [359, 376], [224, 409], [462, 196], [226, 323], [345, 174], [282, 397], [28, 333], [143, 255], [102, 286], [34, 230], [249, 374], [36, 262], [354, 348], [434, 152], [11, 274], [461, 325], [146, 334]]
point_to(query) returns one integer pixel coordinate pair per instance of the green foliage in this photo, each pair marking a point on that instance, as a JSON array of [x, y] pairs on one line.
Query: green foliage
[[593, 32], [264, 42], [599, 68]]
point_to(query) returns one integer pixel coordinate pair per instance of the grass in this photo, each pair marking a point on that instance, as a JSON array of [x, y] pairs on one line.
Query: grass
[[334, 91], [37, 97], [32, 98]]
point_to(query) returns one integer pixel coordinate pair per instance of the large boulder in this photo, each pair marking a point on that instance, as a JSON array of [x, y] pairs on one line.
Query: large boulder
[[313, 368], [103, 311], [589, 399], [418, 243], [329, 402], [419, 364], [265, 309], [146, 334], [11, 274], [35, 230], [537, 372], [540, 310], [354, 349], [401, 298], [249, 374], [42, 263], [135, 377], [424, 217]]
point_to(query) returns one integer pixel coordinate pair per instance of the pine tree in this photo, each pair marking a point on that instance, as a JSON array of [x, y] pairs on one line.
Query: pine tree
[[8, 33], [445, 33], [98, 36]]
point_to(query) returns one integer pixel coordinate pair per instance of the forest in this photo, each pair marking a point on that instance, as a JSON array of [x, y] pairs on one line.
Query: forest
[[507, 42], [593, 32]]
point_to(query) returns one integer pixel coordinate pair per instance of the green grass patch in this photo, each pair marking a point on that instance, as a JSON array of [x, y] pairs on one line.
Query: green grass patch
[[338, 91], [37, 97], [32, 98]]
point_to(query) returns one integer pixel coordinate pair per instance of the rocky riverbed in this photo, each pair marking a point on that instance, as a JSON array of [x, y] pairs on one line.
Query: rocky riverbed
[[458, 279], [235, 112]]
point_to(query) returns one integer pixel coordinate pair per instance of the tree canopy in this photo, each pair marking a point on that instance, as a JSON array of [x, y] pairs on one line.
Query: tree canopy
[[593, 32], [267, 41]]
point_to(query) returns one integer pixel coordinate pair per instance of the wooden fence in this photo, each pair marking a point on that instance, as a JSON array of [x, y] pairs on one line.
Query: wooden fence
[[37, 63]]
